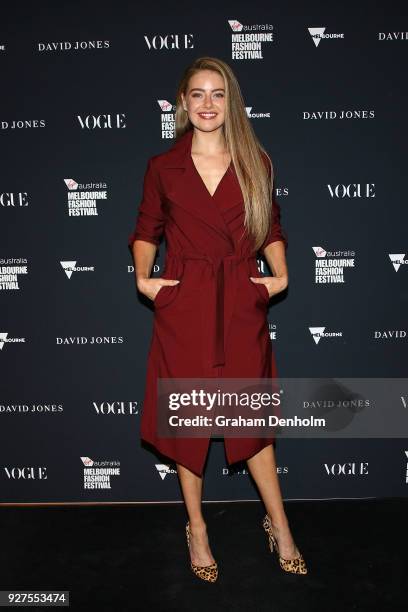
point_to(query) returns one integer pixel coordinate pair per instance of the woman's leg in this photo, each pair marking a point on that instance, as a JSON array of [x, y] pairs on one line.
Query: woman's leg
[[191, 486], [262, 467]]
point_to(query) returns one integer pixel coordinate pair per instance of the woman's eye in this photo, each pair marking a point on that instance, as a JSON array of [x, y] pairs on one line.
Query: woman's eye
[[196, 95]]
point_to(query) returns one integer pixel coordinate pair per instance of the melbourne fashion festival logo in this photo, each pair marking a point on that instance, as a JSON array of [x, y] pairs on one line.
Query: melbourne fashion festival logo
[[83, 198], [167, 119], [318, 34], [72, 45], [70, 267], [169, 42], [247, 40], [330, 265], [99, 474], [5, 339], [319, 332], [398, 260], [10, 271]]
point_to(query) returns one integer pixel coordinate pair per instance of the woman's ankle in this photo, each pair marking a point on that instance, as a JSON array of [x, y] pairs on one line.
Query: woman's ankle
[[279, 523], [197, 526]]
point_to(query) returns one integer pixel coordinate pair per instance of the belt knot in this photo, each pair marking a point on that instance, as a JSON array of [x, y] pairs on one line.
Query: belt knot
[[217, 314]]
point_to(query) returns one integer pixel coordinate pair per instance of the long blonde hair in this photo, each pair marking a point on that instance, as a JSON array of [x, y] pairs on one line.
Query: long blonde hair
[[255, 175]]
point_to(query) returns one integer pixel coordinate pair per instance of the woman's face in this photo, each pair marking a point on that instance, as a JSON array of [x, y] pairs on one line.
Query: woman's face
[[205, 100]]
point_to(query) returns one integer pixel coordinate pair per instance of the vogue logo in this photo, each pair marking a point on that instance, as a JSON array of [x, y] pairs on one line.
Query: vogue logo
[[116, 407], [91, 122], [26, 473], [169, 42], [353, 190], [347, 469], [13, 199]]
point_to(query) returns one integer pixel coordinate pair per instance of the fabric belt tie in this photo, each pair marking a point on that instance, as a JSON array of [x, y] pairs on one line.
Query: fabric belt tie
[[220, 273]]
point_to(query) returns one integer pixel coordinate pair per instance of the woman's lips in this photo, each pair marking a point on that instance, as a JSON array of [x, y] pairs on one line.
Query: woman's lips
[[207, 115]]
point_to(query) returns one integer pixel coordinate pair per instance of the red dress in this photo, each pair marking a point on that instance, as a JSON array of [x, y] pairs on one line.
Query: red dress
[[214, 322]]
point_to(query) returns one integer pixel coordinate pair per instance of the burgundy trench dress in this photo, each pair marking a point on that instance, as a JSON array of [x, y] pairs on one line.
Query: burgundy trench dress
[[214, 322]]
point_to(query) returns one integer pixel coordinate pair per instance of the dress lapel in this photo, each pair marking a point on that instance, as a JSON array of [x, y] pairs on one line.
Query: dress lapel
[[190, 192]]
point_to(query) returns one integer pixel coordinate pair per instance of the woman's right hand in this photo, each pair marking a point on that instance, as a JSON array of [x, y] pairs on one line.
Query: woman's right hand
[[150, 287]]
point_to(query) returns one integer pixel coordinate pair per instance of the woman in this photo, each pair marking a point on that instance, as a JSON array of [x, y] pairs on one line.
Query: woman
[[210, 194]]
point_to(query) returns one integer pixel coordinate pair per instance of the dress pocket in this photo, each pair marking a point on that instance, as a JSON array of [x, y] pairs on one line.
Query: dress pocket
[[167, 294], [259, 287]]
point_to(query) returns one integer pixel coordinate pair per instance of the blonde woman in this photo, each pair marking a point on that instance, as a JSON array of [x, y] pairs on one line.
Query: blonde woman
[[210, 195]]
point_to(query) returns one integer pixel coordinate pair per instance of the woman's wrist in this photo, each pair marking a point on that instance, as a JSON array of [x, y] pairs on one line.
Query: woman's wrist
[[283, 279]]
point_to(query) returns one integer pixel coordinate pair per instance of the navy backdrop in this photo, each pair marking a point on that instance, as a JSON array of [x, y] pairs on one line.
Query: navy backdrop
[[88, 93]]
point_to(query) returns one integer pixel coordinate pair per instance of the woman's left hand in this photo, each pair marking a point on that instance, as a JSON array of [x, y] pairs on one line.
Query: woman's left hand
[[274, 284]]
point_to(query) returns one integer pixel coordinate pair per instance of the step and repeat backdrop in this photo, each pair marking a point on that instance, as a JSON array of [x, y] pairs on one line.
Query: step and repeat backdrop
[[88, 95]]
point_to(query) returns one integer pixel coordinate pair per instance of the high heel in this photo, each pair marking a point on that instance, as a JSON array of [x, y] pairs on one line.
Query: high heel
[[296, 565], [205, 572]]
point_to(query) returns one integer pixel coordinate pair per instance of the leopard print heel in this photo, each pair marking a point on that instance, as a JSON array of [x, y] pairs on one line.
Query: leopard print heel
[[296, 565], [205, 572]]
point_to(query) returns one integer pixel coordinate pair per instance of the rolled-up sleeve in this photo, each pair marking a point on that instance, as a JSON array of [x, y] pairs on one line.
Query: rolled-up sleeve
[[150, 217], [276, 231]]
